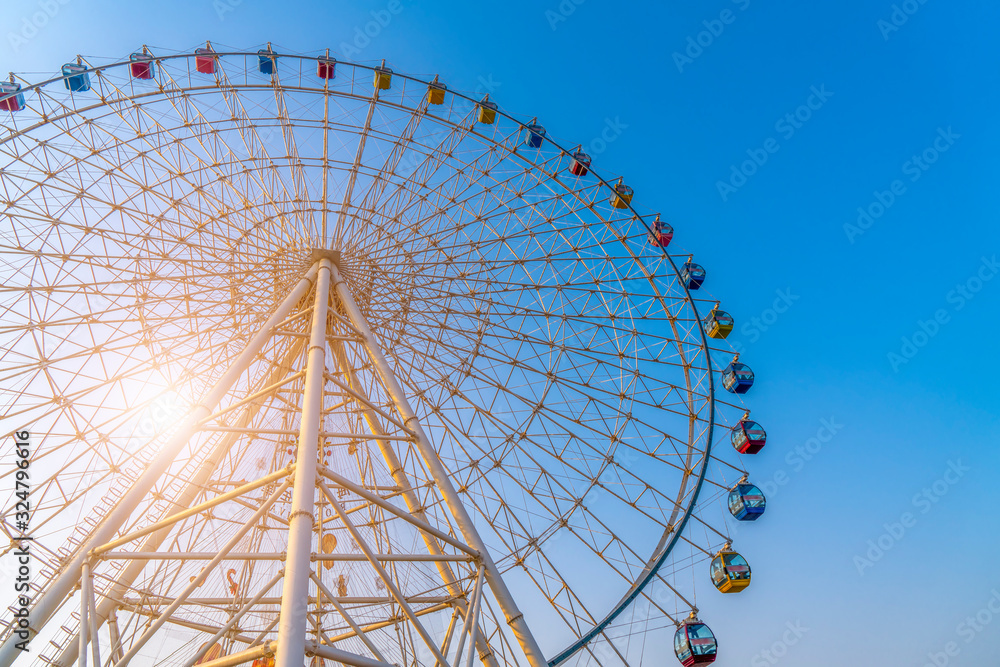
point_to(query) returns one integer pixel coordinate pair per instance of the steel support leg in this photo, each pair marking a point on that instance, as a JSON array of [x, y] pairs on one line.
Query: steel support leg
[[293, 619]]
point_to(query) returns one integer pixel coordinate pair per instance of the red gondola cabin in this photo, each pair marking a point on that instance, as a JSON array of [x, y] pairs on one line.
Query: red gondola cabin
[[326, 67], [141, 66], [694, 643], [204, 60], [748, 437], [12, 97], [580, 164], [662, 233]]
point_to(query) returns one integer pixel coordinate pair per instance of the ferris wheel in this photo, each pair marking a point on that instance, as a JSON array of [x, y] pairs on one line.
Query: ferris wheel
[[314, 363]]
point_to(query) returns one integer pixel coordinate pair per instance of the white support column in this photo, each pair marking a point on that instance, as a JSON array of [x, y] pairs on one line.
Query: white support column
[[293, 619], [63, 586], [84, 604], [116, 640], [515, 619]]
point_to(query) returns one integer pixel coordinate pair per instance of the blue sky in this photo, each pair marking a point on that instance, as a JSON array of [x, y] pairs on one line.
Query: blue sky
[[678, 126]]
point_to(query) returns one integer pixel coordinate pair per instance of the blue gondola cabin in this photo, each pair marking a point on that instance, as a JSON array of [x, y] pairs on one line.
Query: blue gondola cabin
[[692, 275], [580, 164], [535, 135], [204, 60], [737, 378], [383, 78], [487, 112], [748, 437], [718, 324], [435, 92], [141, 66], [326, 67], [694, 644], [12, 97], [622, 196], [265, 61], [77, 78], [746, 502], [662, 233], [730, 572]]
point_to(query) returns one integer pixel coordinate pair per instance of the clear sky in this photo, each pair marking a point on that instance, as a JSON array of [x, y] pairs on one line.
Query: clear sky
[[837, 106]]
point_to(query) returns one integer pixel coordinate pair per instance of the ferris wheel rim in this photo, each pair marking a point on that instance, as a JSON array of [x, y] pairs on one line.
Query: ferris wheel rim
[[659, 555]]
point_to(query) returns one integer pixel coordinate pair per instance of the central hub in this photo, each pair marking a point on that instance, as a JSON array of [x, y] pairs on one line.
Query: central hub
[[326, 253]]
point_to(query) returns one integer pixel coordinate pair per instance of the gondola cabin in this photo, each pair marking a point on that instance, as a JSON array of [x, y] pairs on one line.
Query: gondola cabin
[[694, 644], [662, 233], [265, 61], [487, 112], [383, 78], [746, 502], [535, 135], [580, 164], [718, 324], [213, 653], [692, 275], [77, 78], [622, 196], [748, 437], [326, 67], [435, 92], [15, 101], [266, 661], [141, 66], [730, 572], [204, 60], [737, 378]]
